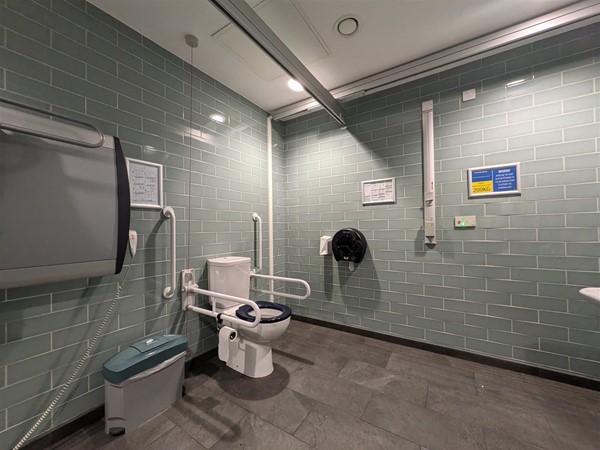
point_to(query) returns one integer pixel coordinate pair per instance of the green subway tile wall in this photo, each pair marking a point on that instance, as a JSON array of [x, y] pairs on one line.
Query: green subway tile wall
[[72, 58], [509, 287]]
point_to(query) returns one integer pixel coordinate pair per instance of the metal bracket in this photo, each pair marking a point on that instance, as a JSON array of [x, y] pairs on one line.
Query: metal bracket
[[188, 278]]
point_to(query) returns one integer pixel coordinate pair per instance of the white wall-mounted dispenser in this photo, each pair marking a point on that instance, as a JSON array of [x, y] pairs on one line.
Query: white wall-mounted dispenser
[[64, 192], [325, 246]]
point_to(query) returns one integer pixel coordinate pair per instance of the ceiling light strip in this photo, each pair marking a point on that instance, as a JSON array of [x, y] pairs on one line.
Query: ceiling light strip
[[560, 21], [246, 19]]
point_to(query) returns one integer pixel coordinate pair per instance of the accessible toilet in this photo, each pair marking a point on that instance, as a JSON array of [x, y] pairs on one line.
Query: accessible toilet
[[247, 350]]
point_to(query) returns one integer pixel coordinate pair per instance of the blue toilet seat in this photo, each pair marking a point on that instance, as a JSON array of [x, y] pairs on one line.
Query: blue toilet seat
[[243, 312]]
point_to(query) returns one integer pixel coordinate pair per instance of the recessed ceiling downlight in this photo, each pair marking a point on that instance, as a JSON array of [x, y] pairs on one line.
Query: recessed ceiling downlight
[[347, 26], [218, 118], [295, 86]]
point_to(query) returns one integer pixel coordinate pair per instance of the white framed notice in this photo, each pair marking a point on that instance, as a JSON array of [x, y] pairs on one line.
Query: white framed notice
[[145, 184], [380, 191]]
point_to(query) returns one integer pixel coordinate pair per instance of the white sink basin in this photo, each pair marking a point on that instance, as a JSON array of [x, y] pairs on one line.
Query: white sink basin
[[592, 294]]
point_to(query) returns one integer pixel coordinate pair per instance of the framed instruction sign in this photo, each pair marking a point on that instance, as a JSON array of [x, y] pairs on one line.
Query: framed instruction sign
[[145, 184], [493, 181], [379, 191]]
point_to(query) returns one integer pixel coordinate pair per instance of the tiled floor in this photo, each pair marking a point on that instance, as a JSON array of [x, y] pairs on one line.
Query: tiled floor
[[334, 390]]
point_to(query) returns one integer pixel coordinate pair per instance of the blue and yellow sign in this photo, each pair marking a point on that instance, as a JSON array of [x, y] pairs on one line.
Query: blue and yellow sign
[[494, 180]]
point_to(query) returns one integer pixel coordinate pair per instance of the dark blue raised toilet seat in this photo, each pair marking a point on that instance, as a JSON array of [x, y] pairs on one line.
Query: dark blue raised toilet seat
[[243, 312]]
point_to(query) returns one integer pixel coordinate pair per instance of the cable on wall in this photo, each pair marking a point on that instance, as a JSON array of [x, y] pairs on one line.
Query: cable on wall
[[192, 42]]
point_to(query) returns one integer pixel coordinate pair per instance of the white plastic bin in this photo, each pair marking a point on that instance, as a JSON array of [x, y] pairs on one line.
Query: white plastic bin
[[142, 381]]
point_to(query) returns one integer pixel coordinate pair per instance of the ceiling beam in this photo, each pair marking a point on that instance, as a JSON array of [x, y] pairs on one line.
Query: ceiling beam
[[246, 19], [565, 19]]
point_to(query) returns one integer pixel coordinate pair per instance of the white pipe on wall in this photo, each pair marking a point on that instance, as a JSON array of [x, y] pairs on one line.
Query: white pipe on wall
[[270, 203]]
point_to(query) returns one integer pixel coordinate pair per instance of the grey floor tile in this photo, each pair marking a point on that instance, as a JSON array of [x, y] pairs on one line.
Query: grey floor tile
[[175, 438], [288, 362], [285, 410], [325, 381], [575, 428], [404, 387], [199, 373], [331, 390], [329, 429], [215, 370], [254, 433], [461, 380], [77, 441], [141, 437], [97, 438], [205, 415], [409, 352], [304, 329], [267, 398], [322, 335], [549, 399], [361, 352], [562, 392], [522, 425], [311, 355], [501, 441], [422, 426]]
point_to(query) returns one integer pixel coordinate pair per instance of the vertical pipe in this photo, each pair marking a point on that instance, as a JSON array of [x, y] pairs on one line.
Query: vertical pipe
[[428, 173], [270, 202]]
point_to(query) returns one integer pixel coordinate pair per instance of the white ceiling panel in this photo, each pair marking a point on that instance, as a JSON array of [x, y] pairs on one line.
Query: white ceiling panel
[[391, 32], [289, 23]]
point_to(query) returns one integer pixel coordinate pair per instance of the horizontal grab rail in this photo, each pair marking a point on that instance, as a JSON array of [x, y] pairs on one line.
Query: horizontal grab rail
[[52, 137], [194, 288], [283, 294]]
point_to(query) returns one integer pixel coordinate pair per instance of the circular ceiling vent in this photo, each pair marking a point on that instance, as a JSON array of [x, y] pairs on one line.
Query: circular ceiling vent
[[347, 26]]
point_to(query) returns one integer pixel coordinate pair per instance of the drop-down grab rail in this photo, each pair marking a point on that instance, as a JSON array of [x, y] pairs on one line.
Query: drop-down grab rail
[[282, 294], [193, 288]]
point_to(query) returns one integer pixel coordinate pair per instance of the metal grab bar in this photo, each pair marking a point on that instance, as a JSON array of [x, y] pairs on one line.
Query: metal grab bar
[[283, 294], [52, 137], [258, 267], [169, 213], [195, 289]]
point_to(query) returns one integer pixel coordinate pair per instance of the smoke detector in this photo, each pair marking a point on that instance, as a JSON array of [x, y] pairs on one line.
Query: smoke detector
[[347, 26]]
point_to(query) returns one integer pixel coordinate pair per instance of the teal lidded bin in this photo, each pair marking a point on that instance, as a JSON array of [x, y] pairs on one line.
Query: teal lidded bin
[[143, 380]]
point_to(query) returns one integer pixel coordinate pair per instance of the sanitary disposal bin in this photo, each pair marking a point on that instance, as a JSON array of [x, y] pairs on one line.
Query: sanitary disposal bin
[[142, 380]]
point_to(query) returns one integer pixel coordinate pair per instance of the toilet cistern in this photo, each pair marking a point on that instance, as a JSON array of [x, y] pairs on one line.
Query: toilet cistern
[[247, 328]]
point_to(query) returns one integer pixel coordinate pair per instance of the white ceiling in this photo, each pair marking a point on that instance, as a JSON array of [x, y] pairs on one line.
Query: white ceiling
[[391, 32]]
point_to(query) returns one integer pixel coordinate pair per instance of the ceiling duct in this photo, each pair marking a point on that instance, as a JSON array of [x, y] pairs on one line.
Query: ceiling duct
[[571, 17], [250, 23]]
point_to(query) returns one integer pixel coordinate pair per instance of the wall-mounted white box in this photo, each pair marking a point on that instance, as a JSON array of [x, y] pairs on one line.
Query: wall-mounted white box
[[465, 222]]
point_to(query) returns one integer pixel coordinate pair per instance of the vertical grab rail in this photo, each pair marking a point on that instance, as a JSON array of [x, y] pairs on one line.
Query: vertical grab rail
[[169, 213], [258, 267]]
